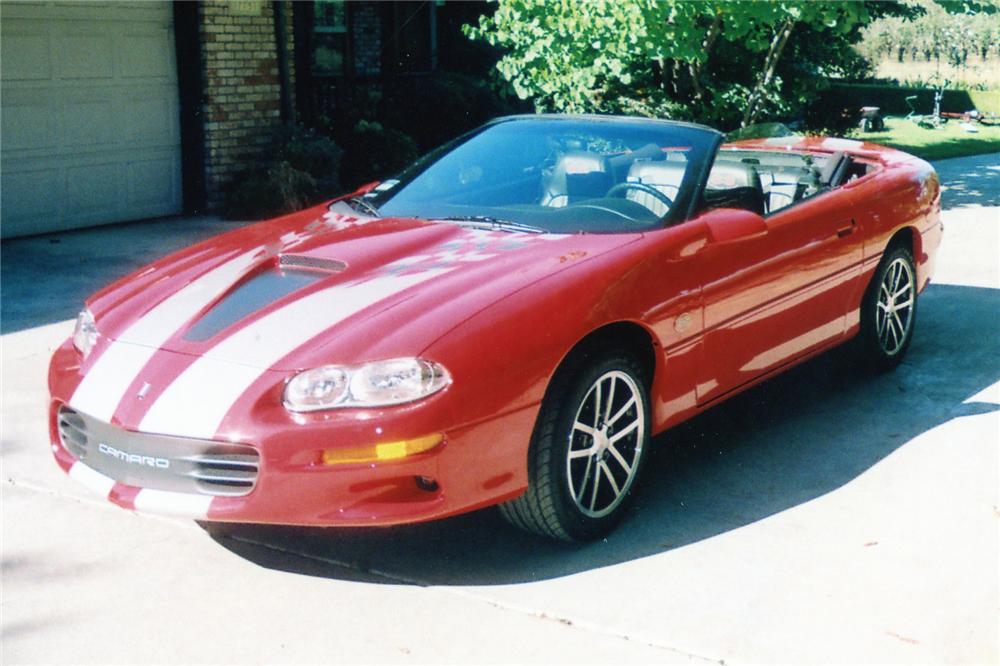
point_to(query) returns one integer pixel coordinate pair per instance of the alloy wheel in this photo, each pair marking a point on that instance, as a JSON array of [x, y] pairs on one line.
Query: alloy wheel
[[894, 307], [605, 444]]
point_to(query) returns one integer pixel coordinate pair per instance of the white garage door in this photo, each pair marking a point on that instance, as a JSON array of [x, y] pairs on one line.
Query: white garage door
[[91, 130]]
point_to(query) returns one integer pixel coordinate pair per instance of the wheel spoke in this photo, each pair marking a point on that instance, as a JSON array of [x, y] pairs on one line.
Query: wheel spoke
[[622, 411], [622, 433], [579, 453], [620, 458], [610, 401], [895, 336], [584, 428], [597, 405], [593, 494], [586, 477], [899, 325], [884, 295], [886, 331], [897, 275], [902, 290], [611, 477]]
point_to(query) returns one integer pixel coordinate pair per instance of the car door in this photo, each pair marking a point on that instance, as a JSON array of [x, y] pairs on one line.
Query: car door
[[775, 289]]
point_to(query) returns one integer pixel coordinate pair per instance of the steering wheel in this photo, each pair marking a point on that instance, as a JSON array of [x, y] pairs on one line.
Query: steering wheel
[[621, 188]]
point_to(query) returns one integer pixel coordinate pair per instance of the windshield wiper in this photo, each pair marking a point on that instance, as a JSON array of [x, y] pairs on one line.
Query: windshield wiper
[[363, 205], [491, 223]]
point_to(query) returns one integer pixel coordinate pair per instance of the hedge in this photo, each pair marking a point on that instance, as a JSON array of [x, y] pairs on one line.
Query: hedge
[[892, 99]]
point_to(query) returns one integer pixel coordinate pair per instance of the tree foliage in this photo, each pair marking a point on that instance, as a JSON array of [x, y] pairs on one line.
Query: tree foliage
[[727, 62]]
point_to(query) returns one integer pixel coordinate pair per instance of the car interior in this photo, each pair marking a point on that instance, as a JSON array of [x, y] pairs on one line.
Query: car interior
[[590, 183], [768, 181], [763, 182]]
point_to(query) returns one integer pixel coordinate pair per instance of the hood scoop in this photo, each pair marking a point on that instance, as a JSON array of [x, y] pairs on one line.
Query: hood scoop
[[308, 262], [253, 294]]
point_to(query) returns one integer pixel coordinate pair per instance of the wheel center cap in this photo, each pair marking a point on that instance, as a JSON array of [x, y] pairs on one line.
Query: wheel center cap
[[601, 442]]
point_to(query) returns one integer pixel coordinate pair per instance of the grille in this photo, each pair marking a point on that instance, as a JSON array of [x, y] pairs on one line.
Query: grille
[[303, 261], [159, 462]]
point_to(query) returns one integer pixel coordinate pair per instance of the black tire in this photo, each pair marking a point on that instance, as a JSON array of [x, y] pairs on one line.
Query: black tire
[[559, 503], [886, 335]]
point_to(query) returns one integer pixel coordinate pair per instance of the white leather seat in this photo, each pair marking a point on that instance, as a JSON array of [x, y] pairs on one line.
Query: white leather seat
[[577, 175], [665, 176]]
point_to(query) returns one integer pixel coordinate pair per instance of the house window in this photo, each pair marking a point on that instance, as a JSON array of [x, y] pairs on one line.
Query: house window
[[330, 37]]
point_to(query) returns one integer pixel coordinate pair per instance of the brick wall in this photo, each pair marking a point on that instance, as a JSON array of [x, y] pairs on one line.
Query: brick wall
[[242, 102]]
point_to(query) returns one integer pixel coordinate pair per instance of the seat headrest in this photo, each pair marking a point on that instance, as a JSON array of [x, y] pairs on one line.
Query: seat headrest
[[658, 173], [730, 175], [577, 163]]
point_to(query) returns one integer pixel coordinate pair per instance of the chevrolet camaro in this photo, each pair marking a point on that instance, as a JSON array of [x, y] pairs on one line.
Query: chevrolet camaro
[[507, 322]]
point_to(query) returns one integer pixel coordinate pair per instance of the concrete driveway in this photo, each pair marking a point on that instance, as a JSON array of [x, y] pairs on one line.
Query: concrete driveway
[[823, 517]]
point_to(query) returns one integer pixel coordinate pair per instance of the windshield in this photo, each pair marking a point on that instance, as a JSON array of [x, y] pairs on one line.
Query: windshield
[[553, 174]]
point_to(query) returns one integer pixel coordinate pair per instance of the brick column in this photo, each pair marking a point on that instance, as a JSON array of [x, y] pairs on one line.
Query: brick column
[[242, 102]]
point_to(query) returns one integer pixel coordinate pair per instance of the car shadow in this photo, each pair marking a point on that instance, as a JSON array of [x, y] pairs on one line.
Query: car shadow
[[788, 441]]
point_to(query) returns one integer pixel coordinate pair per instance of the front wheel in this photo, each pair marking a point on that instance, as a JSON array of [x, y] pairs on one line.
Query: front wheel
[[889, 310], [588, 447]]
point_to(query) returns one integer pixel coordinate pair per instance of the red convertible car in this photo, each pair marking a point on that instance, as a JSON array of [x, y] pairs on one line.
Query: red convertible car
[[507, 322]]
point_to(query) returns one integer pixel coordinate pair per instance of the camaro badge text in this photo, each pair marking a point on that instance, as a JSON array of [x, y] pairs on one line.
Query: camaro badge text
[[133, 458]]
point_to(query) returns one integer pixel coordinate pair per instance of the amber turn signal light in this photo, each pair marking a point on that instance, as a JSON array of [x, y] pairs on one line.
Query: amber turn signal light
[[381, 452]]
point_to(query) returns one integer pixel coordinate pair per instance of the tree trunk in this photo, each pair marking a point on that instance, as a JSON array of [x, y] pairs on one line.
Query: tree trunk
[[770, 65], [695, 68]]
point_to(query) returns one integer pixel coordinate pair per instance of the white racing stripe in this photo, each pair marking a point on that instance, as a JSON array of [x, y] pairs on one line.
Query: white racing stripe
[[197, 401], [181, 505], [91, 479], [104, 385]]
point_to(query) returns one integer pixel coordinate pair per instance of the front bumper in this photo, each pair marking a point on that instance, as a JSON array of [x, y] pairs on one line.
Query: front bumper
[[476, 465]]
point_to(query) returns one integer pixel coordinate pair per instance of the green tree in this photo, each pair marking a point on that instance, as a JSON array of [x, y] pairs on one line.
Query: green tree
[[720, 61]]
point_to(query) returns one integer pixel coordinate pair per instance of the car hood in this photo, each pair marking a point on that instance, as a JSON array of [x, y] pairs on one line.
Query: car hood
[[329, 286]]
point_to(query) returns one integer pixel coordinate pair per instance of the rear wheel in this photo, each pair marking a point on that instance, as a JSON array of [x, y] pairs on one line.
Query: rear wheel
[[588, 447], [889, 310]]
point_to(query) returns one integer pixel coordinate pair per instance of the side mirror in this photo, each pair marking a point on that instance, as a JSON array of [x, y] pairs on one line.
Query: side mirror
[[731, 224], [366, 188]]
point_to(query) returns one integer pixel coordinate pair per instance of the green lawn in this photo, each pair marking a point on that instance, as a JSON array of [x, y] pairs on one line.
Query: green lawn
[[935, 144]]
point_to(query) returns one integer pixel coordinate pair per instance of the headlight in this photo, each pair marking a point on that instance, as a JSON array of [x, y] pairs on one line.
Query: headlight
[[377, 384], [85, 333]]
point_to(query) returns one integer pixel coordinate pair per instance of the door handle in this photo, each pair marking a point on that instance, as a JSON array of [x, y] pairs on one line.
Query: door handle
[[846, 231]]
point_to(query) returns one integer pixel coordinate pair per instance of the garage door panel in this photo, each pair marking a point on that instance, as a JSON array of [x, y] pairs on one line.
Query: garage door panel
[[151, 183], [86, 56], [93, 189], [24, 50], [148, 55], [27, 197], [90, 121], [150, 121], [28, 7], [84, 124], [27, 123]]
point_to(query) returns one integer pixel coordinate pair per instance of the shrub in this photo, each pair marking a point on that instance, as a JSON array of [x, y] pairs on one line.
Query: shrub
[[373, 152], [384, 126], [308, 151], [436, 108], [300, 169], [832, 116], [892, 99]]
